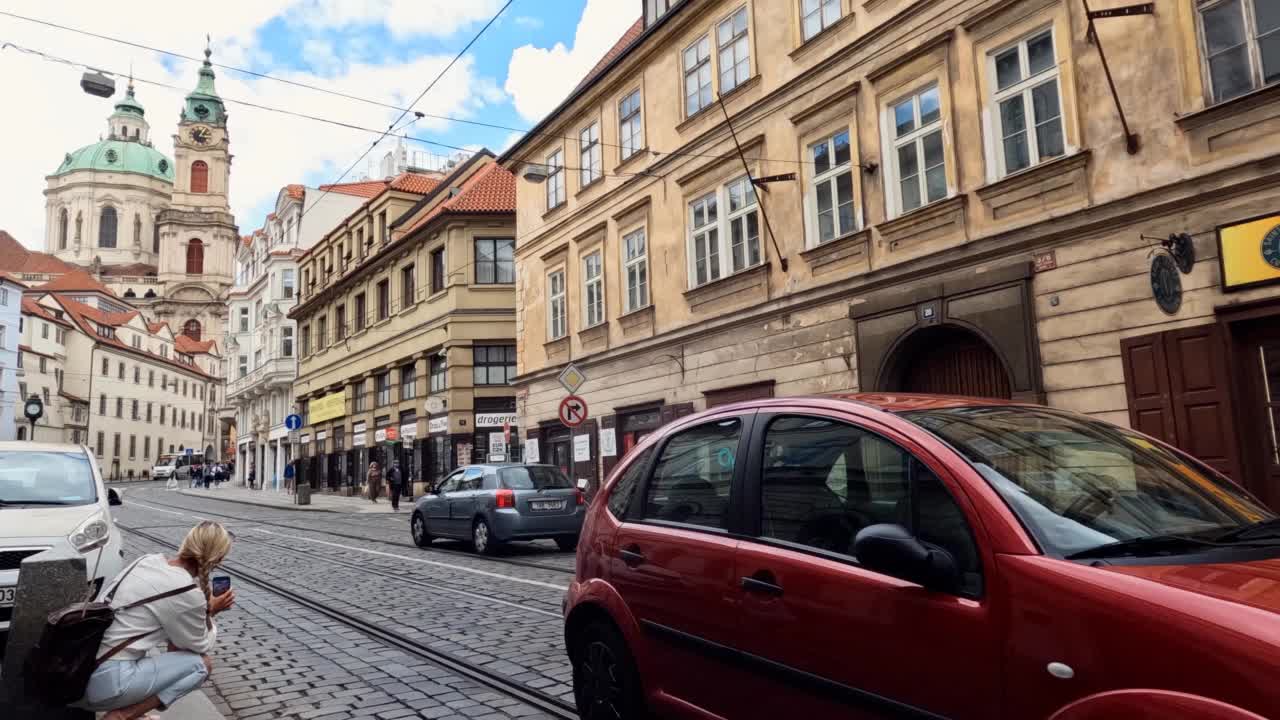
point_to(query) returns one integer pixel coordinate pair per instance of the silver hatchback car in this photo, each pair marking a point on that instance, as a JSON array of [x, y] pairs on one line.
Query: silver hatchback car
[[494, 504]]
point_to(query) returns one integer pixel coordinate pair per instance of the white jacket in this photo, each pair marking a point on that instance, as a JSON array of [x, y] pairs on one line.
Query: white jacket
[[179, 619]]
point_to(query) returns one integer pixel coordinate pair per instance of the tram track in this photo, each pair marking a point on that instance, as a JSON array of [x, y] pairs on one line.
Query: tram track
[[348, 536], [544, 702], [399, 577]]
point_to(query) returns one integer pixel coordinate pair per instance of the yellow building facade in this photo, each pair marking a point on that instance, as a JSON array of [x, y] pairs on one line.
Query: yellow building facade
[[751, 198], [407, 347]]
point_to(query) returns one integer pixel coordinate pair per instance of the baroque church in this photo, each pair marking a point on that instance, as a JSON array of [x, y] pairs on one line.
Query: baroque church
[[158, 232]]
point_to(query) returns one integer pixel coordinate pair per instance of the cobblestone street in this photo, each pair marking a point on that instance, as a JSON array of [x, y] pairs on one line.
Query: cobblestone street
[[345, 618]]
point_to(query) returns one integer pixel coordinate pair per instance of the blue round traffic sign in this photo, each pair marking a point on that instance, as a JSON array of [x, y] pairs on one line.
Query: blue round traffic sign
[[293, 422]]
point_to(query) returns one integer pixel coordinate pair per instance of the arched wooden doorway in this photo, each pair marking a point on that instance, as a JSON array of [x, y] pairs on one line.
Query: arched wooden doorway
[[948, 360]]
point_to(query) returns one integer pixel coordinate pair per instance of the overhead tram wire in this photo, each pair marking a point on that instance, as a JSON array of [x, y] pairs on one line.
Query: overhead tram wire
[[447, 118], [416, 100]]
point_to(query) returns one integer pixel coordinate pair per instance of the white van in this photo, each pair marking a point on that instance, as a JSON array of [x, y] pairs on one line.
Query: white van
[[165, 467], [52, 495]]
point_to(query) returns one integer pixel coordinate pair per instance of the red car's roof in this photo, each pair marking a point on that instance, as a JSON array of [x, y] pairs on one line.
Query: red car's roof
[[901, 402]]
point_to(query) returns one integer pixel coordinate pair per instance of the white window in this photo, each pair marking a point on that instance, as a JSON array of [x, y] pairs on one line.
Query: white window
[[555, 179], [818, 15], [1028, 108], [286, 342], [593, 289], [4, 296], [1241, 45], [705, 230], [728, 243], [735, 55], [244, 319], [919, 172], [697, 76], [630, 125], [589, 154], [286, 282], [831, 210], [244, 365], [556, 316], [635, 268]]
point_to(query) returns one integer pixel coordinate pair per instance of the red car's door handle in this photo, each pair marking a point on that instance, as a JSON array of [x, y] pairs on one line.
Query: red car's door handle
[[631, 556], [762, 582]]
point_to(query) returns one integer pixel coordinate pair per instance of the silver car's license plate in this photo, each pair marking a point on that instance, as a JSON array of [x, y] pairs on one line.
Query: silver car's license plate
[[546, 504], [7, 595]]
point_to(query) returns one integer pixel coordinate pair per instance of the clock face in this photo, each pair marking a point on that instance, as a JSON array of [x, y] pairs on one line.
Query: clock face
[[1271, 247], [201, 135]]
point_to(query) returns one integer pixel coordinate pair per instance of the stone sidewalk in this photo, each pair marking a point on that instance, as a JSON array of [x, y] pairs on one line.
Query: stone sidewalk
[[282, 500]]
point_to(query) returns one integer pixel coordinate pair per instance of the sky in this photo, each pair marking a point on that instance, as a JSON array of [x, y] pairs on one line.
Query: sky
[[385, 50]]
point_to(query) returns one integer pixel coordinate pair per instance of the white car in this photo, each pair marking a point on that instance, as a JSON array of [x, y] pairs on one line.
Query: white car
[[52, 495], [165, 468]]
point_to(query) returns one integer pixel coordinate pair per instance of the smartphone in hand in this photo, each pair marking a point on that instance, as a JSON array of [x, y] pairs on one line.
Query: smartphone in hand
[[220, 585]]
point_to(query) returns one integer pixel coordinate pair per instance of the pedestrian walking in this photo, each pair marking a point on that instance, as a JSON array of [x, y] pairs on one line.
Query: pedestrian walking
[[374, 478], [251, 478], [129, 684], [394, 486]]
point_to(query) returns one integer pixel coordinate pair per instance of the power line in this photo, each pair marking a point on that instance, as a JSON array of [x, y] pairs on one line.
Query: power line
[[416, 100]]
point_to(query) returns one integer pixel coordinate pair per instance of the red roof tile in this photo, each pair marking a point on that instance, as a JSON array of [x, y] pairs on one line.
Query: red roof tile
[[297, 192], [492, 189], [185, 344], [73, 281], [627, 38], [14, 257], [82, 314], [362, 188], [155, 327], [415, 183], [31, 307]]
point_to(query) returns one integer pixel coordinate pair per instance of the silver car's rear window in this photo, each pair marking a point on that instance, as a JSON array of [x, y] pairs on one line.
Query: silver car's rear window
[[533, 478]]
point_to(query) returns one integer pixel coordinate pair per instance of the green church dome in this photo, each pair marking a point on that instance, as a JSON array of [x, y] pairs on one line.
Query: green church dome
[[119, 156]]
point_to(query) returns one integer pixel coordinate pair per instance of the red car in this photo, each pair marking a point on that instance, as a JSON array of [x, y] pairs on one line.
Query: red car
[[872, 556]]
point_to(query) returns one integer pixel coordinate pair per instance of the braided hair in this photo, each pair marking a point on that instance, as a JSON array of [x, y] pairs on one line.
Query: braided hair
[[205, 547]]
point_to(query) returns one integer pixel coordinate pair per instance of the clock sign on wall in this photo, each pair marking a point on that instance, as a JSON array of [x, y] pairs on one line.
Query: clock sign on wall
[[1249, 252], [1166, 283], [1271, 247], [201, 135]]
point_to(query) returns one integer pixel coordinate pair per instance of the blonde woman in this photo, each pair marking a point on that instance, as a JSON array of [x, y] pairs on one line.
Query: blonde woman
[[130, 684]]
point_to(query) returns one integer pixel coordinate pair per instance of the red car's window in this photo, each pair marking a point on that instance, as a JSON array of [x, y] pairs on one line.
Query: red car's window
[[691, 480], [622, 496], [823, 481]]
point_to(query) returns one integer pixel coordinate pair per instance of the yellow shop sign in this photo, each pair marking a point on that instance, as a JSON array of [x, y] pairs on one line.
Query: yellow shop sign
[[1249, 252], [326, 408]]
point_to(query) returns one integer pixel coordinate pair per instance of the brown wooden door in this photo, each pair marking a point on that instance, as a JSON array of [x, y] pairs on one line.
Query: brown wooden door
[[1179, 390], [1146, 383], [1258, 370], [956, 362]]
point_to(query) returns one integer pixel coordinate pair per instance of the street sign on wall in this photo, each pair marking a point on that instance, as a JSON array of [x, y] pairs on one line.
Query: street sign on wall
[[572, 411], [571, 378]]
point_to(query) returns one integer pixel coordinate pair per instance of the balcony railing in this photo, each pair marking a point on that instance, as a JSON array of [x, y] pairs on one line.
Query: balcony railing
[[271, 372]]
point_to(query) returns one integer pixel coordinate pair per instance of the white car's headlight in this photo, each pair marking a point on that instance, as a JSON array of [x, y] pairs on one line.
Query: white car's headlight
[[92, 533]]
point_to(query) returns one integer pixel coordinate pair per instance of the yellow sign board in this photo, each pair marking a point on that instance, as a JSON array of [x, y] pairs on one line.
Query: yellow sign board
[[326, 408], [1249, 252]]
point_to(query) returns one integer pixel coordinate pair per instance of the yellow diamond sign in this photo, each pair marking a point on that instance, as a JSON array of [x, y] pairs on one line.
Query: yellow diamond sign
[[571, 378]]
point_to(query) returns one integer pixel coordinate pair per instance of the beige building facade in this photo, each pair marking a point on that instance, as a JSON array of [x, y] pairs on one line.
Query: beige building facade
[[406, 327], [911, 195]]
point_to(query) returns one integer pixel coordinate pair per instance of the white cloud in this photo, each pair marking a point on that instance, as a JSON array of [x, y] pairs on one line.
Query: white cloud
[[270, 149], [528, 23], [539, 78], [402, 17]]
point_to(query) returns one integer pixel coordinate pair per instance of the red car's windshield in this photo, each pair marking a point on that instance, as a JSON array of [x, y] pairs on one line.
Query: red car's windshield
[[1080, 484]]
